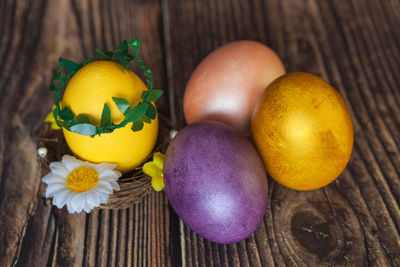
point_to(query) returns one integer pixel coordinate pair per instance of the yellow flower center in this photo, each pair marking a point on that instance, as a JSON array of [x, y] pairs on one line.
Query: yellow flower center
[[82, 179]]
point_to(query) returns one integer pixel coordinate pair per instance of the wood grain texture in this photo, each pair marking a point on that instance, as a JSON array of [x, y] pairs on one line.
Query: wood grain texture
[[355, 46], [33, 232]]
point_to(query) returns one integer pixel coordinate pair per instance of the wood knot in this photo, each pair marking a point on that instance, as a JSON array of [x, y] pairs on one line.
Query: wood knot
[[313, 233]]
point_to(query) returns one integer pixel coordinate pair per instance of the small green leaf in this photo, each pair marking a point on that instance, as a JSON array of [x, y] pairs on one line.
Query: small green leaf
[[137, 126], [105, 115], [63, 124], [122, 104], [67, 115], [144, 94], [155, 94], [123, 45], [56, 111], [149, 84], [151, 112], [53, 88], [135, 44], [83, 129], [68, 64], [58, 76], [109, 53], [106, 128], [145, 119], [100, 53], [123, 60], [82, 118], [135, 113]]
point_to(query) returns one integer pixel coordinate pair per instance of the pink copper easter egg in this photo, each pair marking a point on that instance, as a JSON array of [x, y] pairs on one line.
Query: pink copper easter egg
[[228, 83]]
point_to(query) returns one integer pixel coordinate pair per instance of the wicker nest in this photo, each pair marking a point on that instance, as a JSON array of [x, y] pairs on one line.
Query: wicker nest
[[134, 186]]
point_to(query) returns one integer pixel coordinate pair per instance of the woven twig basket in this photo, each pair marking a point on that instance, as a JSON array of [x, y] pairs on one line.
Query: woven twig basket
[[134, 186]]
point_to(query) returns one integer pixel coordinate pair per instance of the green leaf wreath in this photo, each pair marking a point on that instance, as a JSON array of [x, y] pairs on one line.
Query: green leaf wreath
[[143, 112]]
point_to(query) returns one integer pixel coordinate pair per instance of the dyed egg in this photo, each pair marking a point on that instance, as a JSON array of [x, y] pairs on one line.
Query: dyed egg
[[216, 182], [229, 82], [86, 92], [303, 131]]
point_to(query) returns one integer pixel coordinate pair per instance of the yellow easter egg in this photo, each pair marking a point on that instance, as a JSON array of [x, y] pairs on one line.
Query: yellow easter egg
[[87, 91]]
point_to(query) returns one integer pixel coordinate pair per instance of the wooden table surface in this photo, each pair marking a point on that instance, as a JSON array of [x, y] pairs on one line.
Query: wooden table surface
[[353, 44]]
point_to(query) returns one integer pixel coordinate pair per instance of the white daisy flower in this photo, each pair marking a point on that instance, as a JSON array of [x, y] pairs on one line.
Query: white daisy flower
[[80, 185]]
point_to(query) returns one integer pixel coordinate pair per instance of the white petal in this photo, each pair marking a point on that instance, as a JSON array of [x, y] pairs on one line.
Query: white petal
[[59, 169], [53, 189], [108, 179], [115, 185], [78, 201], [93, 198], [105, 166], [110, 173], [70, 208], [105, 184], [104, 198], [52, 178], [60, 198], [103, 190], [88, 208], [97, 195], [70, 162]]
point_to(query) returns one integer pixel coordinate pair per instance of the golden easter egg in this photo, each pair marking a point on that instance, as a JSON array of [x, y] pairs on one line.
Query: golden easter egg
[[303, 131]]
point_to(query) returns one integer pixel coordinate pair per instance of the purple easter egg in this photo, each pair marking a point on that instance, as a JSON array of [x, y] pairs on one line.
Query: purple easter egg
[[216, 182]]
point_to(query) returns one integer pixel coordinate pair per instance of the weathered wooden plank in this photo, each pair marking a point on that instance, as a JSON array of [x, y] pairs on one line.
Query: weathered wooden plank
[[352, 44], [18, 194], [33, 232]]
